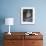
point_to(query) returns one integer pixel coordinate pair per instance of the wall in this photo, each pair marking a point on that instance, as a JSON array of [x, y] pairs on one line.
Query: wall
[[12, 8]]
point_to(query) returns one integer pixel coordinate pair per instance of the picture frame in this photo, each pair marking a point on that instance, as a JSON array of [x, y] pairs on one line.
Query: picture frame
[[27, 15]]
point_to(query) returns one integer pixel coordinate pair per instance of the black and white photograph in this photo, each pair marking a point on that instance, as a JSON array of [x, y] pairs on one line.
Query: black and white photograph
[[27, 15]]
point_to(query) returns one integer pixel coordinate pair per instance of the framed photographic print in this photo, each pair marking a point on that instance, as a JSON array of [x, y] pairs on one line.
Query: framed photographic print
[[27, 15]]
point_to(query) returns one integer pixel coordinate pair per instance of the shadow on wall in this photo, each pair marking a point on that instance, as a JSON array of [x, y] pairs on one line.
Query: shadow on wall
[[2, 21]]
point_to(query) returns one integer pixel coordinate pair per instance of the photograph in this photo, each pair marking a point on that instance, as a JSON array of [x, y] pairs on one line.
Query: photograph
[[27, 15]]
